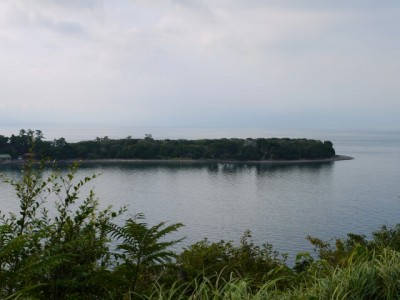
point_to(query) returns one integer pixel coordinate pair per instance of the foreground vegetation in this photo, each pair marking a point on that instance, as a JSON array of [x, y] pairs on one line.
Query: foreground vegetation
[[149, 148], [61, 245]]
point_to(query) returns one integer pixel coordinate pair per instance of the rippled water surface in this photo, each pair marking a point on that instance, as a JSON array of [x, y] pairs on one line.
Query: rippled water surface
[[280, 204]]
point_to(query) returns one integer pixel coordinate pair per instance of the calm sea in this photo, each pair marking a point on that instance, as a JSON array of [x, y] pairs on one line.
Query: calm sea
[[280, 204]]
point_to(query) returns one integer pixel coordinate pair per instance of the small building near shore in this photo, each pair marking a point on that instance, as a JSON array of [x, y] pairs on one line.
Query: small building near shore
[[5, 158]]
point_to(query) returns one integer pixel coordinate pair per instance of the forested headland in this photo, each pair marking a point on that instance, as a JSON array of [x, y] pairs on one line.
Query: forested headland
[[254, 149]]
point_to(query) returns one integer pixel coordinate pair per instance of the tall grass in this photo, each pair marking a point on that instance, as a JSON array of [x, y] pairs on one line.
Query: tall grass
[[233, 289], [368, 274], [373, 274]]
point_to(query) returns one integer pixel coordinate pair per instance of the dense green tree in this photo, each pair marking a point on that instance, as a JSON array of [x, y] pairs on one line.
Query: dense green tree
[[66, 254], [149, 148], [54, 256], [3, 141]]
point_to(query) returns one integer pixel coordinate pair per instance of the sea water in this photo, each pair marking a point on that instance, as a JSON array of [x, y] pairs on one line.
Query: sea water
[[280, 204]]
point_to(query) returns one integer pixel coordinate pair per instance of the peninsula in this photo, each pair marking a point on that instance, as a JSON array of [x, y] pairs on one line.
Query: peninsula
[[148, 148]]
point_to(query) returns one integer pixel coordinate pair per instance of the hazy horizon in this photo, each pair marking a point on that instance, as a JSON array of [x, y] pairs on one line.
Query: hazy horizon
[[76, 133]]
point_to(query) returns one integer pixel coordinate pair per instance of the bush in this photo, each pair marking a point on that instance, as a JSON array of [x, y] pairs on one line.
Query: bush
[[224, 260]]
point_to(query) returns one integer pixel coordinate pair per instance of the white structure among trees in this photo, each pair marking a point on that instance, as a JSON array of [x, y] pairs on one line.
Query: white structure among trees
[[5, 158]]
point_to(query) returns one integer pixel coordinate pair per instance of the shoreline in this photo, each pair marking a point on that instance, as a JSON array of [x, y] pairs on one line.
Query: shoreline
[[118, 160], [331, 159]]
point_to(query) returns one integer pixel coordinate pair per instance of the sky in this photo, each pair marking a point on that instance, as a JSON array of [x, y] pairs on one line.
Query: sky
[[200, 63]]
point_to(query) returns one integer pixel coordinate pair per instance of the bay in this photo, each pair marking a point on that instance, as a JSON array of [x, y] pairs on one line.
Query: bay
[[281, 203]]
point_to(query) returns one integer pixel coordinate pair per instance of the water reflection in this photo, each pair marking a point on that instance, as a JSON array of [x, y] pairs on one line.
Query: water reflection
[[286, 168], [229, 167], [232, 168], [212, 168]]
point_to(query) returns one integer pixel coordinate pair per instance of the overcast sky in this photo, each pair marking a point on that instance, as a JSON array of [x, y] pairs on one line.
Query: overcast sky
[[200, 63]]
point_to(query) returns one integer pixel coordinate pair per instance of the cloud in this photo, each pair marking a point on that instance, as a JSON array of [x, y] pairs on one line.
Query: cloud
[[197, 62]]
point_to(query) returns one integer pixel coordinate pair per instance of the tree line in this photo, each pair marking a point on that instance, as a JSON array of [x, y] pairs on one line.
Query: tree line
[[149, 148]]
